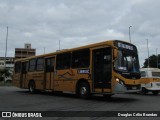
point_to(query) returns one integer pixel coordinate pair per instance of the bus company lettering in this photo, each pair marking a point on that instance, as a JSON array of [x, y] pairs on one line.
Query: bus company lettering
[[83, 71]]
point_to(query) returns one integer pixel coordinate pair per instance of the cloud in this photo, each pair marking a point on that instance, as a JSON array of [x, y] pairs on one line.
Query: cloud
[[44, 22]]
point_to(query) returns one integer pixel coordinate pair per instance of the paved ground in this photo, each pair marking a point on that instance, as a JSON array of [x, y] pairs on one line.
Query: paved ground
[[15, 99]]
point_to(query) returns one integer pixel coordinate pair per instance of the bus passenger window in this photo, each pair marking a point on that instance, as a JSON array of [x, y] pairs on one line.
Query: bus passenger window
[[49, 65], [40, 64], [80, 59], [24, 67], [63, 61], [17, 67], [32, 65]]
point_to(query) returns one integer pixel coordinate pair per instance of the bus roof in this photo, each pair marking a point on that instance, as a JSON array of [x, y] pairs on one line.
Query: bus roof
[[72, 49]]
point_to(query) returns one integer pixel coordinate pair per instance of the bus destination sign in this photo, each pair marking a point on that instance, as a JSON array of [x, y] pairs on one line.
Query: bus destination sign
[[125, 46]]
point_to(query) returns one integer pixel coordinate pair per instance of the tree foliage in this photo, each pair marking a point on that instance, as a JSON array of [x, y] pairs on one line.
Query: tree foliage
[[152, 62], [6, 72]]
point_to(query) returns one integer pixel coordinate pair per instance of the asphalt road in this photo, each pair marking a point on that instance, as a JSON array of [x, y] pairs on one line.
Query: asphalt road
[[15, 99]]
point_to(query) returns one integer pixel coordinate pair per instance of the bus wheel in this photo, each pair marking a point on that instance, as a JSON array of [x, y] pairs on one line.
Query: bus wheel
[[31, 87], [107, 96], [144, 91], [155, 92], [84, 91]]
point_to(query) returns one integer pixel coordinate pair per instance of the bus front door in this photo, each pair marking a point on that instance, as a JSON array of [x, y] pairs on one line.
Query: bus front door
[[102, 68], [23, 74], [49, 73]]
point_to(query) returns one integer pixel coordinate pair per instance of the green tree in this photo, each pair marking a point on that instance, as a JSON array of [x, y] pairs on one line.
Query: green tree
[[6, 72], [152, 62]]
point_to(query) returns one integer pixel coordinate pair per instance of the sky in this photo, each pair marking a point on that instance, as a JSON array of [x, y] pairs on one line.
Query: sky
[[74, 23]]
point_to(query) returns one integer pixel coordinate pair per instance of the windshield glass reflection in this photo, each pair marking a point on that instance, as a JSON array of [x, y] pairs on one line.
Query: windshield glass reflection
[[127, 61]]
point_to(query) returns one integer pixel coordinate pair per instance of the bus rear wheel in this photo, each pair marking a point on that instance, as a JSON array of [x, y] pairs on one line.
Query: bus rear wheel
[[31, 87], [84, 91]]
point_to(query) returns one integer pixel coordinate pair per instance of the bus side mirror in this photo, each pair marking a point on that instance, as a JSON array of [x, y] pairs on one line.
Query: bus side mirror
[[115, 53]]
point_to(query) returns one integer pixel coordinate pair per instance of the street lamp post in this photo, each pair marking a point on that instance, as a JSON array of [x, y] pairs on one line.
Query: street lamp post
[[6, 47], [130, 34], [5, 55], [148, 52]]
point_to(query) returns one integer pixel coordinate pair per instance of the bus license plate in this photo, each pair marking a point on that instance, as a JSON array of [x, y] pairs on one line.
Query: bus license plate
[[134, 88]]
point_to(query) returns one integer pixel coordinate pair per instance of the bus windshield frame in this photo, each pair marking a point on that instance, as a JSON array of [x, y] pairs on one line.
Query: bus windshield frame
[[127, 62]]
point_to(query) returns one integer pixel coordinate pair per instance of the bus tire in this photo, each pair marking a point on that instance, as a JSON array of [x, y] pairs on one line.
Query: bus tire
[[143, 91], [31, 87], [107, 96], [84, 90], [155, 92]]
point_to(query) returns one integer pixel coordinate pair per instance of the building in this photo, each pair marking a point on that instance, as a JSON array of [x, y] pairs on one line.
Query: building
[[9, 62], [27, 51], [2, 65]]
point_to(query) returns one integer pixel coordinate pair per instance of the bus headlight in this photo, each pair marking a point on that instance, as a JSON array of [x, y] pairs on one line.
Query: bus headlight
[[119, 81]]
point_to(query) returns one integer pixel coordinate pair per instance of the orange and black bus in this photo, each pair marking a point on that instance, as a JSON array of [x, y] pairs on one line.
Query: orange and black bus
[[105, 68]]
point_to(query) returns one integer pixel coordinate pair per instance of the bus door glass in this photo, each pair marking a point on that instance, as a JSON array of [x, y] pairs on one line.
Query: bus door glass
[[49, 72], [23, 74], [102, 65]]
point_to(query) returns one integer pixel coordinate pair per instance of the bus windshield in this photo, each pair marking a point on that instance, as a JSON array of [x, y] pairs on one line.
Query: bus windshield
[[127, 61]]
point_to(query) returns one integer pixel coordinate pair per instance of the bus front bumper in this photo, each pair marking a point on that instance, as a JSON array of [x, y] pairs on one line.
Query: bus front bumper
[[152, 86], [153, 89], [119, 88]]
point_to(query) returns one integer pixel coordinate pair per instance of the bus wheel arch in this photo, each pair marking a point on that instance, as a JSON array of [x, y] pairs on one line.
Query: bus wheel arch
[[83, 89], [31, 86]]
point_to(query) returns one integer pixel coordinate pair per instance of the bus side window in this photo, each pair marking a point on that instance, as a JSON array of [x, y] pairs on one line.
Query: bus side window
[[32, 65], [49, 65], [80, 59], [155, 74], [24, 67], [47, 68], [17, 67], [63, 61], [27, 65], [52, 65], [40, 64], [143, 74]]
